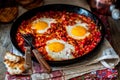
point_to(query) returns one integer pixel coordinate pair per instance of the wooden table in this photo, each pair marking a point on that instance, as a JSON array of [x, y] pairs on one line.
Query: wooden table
[[115, 34], [5, 29], [115, 37]]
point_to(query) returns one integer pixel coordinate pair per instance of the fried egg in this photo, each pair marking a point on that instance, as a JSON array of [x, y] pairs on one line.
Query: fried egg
[[78, 31], [42, 25], [59, 49]]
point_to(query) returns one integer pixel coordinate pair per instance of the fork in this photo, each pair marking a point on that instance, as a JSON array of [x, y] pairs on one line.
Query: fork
[[29, 39]]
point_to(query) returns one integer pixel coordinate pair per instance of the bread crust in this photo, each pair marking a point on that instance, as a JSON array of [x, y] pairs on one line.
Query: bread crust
[[16, 65], [8, 14]]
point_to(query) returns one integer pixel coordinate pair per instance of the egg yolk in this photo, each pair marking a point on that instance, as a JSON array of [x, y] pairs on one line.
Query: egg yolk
[[56, 46], [78, 31], [40, 25]]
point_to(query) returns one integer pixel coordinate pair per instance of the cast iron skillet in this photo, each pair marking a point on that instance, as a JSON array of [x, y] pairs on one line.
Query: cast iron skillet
[[57, 7]]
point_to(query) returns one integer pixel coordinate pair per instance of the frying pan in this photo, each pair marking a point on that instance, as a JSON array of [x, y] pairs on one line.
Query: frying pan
[[58, 7]]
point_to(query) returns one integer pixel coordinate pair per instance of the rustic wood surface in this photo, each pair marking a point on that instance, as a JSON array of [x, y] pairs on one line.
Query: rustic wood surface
[[115, 34]]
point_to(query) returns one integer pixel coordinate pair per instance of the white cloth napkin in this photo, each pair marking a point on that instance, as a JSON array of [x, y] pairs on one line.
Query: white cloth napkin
[[107, 56]]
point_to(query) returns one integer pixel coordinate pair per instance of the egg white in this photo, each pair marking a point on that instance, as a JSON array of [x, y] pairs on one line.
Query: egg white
[[47, 20], [78, 23], [65, 54]]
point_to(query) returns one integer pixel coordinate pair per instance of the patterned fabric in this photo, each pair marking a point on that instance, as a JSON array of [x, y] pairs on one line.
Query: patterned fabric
[[16, 77], [105, 74], [110, 74]]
